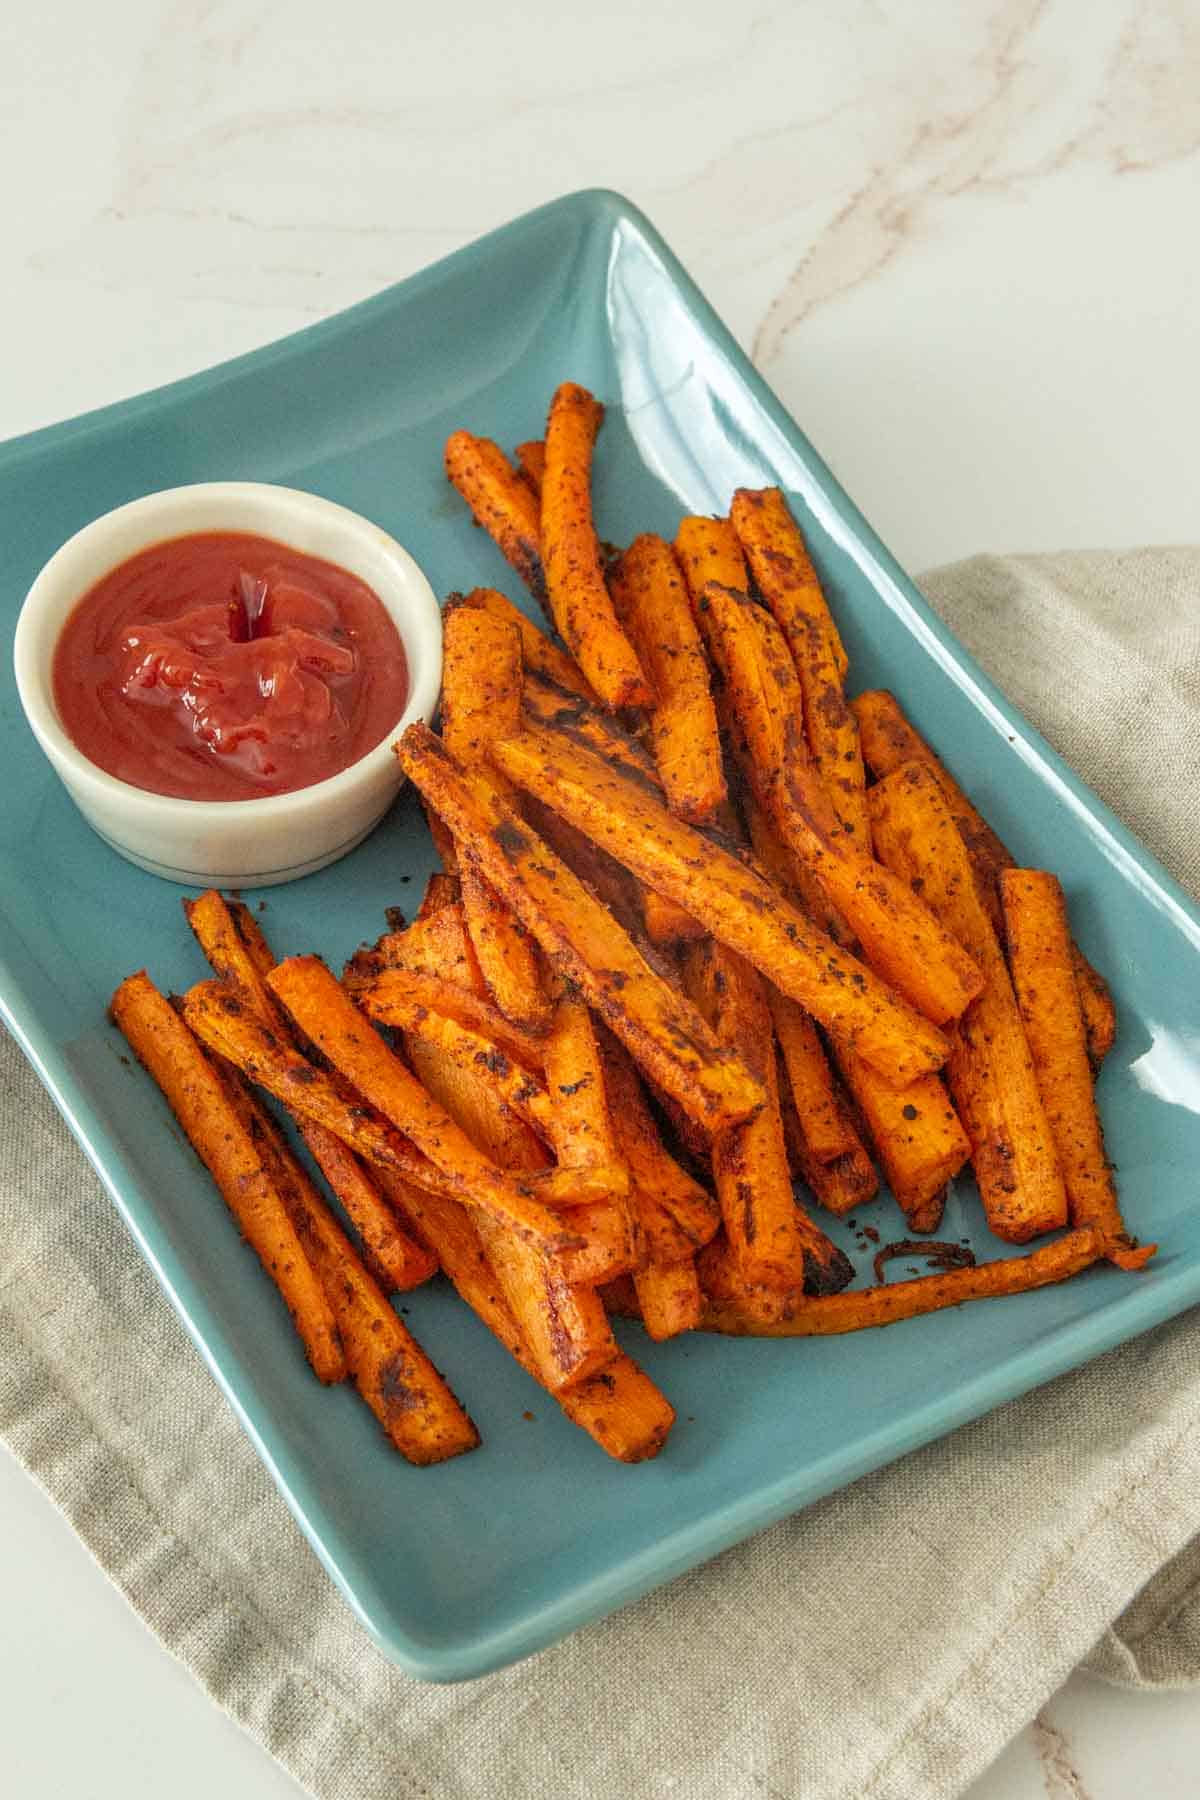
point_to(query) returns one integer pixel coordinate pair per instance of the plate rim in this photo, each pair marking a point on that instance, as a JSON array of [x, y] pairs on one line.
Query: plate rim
[[476, 1653]]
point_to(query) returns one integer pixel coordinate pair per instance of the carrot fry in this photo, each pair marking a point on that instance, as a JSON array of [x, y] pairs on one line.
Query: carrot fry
[[1043, 973], [442, 880], [481, 681], [990, 1070], [620, 1408], [831, 730], [841, 1186], [731, 901], [608, 1248], [531, 460], [239, 953], [434, 942], [165, 1047], [390, 1370], [905, 945], [888, 740], [575, 584], [651, 603], [772, 1315], [676, 1212], [916, 1134], [397, 996], [709, 550], [542, 657], [669, 1297], [481, 700], [594, 730], [668, 925], [582, 940], [477, 1055], [501, 502], [794, 879], [327, 1015], [581, 1130], [773, 1239], [782, 567], [504, 952], [827, 1131]]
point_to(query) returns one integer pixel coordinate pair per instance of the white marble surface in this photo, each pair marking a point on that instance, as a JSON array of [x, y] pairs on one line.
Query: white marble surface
[[960, 239]]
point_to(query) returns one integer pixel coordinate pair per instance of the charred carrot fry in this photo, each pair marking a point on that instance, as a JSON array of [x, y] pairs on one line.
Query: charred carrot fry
[[841, 1186], [827, 1130], [888, 740], [165, 1047], [773, 1239], [445, 878], [608, 1248], [483, 1114], [1043, 973], [531, 460], [782, 567], [620, 1408], [575, 583], [330, 1019], [235, 946], [651, 603], [709, 550], [772, 1315], [731, 901], [900, 938], [583, 941], [594, 730], [542, 657], [397, 996], [390, 1370], [990, 1070], [501, 502]]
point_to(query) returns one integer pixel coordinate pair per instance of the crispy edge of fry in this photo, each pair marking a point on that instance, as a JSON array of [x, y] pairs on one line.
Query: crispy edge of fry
[[530, 458], [888, 739], [500, 502], [990, 1069], [329, 1018], [734, 903], [862, 1308], [393, 1375], [541, 656], [171, 1056], [237, 949], [651, 602], [1043, 973], [579, 599], [827, 1131], [392, 996], [660, 1028], [774, 1240], [840, 1186], [581, 1127], [779, 561], [660, 1184], [479, 1058], [620, 1408]]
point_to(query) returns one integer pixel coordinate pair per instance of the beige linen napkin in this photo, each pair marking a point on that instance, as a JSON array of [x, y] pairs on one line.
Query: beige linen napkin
[[882, 1645]]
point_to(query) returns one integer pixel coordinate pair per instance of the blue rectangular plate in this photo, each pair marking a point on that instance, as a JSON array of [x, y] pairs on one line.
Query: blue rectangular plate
[[462, 1569]]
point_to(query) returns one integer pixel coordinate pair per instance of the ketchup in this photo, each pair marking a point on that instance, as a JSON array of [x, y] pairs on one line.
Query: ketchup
[[222, 666]]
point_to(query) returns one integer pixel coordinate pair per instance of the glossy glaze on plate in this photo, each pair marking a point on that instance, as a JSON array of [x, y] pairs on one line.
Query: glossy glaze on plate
[[460, 1569]]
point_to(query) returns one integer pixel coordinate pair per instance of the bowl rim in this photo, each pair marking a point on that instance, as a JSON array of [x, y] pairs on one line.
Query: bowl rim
[[418, 623]]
